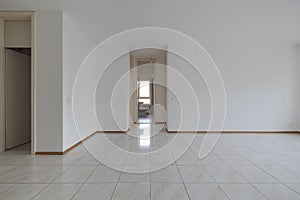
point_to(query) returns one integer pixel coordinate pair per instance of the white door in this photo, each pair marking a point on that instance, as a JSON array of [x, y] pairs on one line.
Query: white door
[[18, 102], [2, 88], [159, 93]]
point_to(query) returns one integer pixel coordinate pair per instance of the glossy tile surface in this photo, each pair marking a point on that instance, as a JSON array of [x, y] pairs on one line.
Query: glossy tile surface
[[154, 164]]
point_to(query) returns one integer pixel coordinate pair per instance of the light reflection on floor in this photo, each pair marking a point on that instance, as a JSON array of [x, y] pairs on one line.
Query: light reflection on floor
[[145, 135], [148, 119]]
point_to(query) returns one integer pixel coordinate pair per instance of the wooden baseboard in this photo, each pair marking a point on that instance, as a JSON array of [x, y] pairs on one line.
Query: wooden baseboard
[[76, 144], [238, 132], [49, 153], [113, 131], [261, 132], [67, 150]]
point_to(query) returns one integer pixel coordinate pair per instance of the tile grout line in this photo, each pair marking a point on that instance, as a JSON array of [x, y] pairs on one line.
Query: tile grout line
[[51, 182], [185, 188], [248, 182], [69, 166], [212, 175], [82, 184], [280, 182], [114, 190]]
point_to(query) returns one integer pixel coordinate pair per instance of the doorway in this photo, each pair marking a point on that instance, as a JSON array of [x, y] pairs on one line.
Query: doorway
[[145, 101], [18, 97], [148, 86], [17, 79]]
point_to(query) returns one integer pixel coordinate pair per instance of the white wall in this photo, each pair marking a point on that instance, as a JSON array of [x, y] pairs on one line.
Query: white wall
[[49, 68], [252, 42], [182, 102], [17, 33], [112, 96], [146, 71], [235, 55], [298, 54], [257, 62], [160, 76], [76, 46]]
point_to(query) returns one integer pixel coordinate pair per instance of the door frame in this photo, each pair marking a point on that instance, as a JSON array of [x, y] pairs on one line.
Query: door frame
[[136, 61], [155, 56], [17, 15]]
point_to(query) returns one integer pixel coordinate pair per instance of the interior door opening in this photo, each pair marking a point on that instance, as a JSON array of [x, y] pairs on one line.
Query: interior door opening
[[17, 123], [18, 97], [148, 86], [145, 101]]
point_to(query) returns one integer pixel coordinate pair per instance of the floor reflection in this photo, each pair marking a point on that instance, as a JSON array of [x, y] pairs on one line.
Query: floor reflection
[[147, 119], [145, 135]]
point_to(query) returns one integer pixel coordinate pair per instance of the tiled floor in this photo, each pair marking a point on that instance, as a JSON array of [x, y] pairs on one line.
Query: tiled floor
[[241, 166], [145, 119]]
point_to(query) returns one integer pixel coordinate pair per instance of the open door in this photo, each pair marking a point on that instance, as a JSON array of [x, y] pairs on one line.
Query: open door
[[160, 70], [18, 98], [2, 87]]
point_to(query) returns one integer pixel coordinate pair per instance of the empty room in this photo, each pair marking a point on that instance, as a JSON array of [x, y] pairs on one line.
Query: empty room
[[150, 100]]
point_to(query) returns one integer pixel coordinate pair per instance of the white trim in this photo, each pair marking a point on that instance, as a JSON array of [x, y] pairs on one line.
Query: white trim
[[2, 88], [33, 86], [7, 16]]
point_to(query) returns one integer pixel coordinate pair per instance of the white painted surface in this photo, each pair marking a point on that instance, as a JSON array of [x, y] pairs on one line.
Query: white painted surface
[[146, 71], [261, 88], [252, 42], [33, 83], [112, 96], [18, 98], [182, 110], [49, 62], [2, 88], [133, 91], [160, 92], [17, 33], [73, 38]]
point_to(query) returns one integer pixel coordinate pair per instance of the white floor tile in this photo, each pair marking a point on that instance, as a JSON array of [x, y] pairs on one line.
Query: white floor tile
[[87, 159], [19, 191], [282, 173], [104, 174], [168, 191], [277, 191], [241, 191], [75, 174], [132, 191], [224, 174], [91, 191], [135, 178], [188, 158], [58, 192], [295, 187], [169, 174], [255, 175], [195, 174], [207, 191], [31, 174], [247, 166]]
